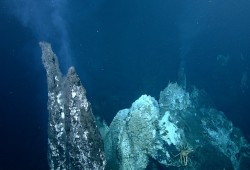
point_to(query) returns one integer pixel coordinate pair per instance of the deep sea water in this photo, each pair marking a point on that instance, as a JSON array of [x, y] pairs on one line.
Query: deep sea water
[[121, 50]]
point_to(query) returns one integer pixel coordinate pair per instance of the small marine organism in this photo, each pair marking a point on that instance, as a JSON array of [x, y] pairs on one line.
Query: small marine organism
[[184, 152]]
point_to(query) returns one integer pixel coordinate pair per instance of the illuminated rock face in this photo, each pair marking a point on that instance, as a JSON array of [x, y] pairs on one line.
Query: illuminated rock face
[[178, 131], [74, 141]]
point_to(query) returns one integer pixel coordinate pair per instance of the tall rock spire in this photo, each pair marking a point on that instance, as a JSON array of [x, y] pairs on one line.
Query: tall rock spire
[[73, 137]]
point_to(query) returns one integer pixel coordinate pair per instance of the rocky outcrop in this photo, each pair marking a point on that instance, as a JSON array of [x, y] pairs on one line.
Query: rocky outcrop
[[131, 134], [179, 131], [74, 141]]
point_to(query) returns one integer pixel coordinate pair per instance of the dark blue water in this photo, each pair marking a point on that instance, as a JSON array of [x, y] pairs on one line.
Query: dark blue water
[[121, 50]]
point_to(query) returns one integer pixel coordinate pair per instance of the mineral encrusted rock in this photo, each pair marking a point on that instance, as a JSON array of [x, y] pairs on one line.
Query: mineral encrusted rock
[[179, 131], [131, 133], [74, 141]]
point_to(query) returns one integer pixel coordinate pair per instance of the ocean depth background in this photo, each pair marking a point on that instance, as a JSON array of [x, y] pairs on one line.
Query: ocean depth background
[[121, 49]]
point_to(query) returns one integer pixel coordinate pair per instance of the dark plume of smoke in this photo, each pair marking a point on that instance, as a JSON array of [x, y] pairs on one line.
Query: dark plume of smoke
[[46, 20]]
